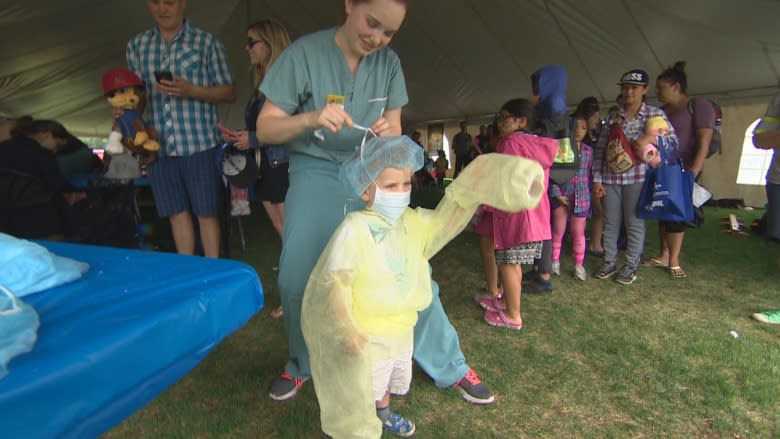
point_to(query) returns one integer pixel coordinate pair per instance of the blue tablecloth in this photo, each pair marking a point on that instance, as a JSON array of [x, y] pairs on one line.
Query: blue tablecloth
[[115, 339]]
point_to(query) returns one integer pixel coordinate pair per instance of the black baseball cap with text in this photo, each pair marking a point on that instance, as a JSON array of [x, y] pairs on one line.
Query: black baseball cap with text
[[636, 76]]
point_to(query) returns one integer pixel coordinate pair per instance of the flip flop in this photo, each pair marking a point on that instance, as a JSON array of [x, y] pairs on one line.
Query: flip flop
[[677, 272], [654, 262], [499, 320]]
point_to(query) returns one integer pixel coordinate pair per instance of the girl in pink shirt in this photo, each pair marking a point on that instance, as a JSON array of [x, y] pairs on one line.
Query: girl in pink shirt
[[518, 237]]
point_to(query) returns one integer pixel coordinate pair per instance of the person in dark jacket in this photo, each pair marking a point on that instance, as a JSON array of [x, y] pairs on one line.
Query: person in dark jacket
[[35, 195]]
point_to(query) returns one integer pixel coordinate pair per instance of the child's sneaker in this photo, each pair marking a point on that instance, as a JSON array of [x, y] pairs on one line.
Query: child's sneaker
[[607, 270], [472, 389], [580, 273], [398, 425], [539, 286], [556, 268], [530, 276], [627, 275], [285, 387], [772, 316]]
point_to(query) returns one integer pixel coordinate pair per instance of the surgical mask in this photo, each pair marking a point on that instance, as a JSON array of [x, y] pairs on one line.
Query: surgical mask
[[390, 205], [18, 328]]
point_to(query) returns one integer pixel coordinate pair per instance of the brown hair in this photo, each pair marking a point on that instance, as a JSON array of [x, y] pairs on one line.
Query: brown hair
[[25, 126], [275, 36]]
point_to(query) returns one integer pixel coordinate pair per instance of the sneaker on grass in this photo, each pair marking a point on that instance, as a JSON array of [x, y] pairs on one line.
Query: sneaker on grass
[[285, 387], [530, 276], [580, 273], [627, 275], [607, 270], [771, 316], [472, 389], [398, 425], [538, 286]]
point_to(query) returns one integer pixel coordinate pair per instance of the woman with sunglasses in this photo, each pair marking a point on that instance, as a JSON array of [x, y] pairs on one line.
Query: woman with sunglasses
[[266, 40], [320, 91]]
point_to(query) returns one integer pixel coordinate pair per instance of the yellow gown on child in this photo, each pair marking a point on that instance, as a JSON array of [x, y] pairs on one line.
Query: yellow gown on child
[[362, 298]]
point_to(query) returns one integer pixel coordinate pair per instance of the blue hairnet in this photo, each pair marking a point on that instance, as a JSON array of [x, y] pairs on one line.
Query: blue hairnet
[[374, 156]]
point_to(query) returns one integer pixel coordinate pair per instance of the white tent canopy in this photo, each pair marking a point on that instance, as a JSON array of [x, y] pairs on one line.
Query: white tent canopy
[[462, 58]]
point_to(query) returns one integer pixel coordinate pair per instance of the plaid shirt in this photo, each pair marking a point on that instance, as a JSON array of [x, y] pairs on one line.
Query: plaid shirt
[[186, 125], [577, 190], [633, 129]]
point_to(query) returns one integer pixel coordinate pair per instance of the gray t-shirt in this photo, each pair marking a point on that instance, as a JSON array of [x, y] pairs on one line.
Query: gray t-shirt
[[313, 69], [771, 122]]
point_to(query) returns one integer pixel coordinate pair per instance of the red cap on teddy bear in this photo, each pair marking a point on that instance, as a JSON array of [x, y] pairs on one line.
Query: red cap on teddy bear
[[119, 78]]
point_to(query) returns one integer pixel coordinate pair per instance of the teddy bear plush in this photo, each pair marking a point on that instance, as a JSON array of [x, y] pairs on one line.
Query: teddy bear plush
[[124, 90], [656, 126]]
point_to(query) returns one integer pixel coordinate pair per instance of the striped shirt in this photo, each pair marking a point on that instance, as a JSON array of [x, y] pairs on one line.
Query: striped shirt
[[577, 190], [186, 125], [633, 130]]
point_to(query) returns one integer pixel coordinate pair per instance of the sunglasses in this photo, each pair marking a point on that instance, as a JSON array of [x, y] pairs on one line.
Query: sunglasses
[[250, 43], [502, 117]]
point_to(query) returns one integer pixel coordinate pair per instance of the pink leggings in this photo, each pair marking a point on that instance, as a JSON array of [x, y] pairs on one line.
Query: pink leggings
[[577, 229]]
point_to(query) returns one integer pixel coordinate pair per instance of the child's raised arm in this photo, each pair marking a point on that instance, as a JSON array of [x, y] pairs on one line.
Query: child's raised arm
[[501, 181]]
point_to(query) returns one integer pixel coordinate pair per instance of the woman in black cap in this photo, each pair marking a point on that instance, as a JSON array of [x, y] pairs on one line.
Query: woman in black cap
[[619, 187]]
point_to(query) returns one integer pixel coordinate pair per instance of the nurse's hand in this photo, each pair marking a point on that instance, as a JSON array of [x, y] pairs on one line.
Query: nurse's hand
[[380, 126], [332, 117]]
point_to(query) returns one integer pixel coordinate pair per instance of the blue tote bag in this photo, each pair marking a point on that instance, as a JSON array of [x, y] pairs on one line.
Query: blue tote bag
[[667, 193]]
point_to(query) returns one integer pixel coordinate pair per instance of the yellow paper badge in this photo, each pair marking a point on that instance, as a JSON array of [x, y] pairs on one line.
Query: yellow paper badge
[[336, 99]]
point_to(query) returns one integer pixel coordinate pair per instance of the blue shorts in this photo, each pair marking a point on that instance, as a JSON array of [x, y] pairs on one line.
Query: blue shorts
[[189, 183]]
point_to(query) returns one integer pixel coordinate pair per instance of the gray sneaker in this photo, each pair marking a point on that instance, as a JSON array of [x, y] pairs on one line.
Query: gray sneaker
[[607, 270], [580, 273], [472, 389], [627, 275], [285, 387]]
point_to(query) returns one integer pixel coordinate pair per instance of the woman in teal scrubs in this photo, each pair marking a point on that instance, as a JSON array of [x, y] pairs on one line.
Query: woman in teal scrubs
[[322, 86]]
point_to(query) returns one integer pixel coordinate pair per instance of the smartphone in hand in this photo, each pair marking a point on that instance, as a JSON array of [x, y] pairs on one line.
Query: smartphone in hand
[[159, 75]]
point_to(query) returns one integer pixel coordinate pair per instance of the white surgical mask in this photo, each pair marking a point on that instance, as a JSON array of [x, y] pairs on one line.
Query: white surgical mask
[[391, 205]]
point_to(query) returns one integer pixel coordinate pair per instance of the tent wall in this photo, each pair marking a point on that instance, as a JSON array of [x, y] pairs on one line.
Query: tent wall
[[720, 171]]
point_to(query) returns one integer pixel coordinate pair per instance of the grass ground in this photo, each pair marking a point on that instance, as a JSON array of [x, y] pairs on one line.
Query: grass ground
[[596, 359]]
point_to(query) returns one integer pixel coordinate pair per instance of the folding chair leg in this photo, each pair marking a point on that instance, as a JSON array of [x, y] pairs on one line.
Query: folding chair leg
[[241, 233]]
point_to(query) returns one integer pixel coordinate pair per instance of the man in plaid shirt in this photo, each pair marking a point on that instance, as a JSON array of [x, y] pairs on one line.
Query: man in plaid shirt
[[183, 109]]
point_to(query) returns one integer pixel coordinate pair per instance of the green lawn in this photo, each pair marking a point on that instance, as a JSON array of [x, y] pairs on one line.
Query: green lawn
[[595, 359]]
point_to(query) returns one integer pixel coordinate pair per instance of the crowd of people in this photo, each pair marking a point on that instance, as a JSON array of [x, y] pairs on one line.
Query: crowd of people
[[358, 296]]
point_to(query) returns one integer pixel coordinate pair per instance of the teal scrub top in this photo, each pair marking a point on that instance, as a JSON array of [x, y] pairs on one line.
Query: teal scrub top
[[312, 69]]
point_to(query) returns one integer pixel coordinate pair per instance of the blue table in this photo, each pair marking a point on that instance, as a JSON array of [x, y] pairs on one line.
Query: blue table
[[118, 337]]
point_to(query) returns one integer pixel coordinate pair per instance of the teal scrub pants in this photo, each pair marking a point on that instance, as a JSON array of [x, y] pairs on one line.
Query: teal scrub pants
[[315, 205]]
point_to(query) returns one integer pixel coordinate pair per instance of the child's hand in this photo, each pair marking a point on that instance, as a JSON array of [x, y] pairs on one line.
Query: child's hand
[[353, 343], [598, 190], [563, 200]]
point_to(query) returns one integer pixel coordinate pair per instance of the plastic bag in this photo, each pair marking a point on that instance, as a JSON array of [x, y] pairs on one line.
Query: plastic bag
[[18, 328]]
